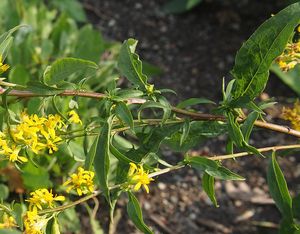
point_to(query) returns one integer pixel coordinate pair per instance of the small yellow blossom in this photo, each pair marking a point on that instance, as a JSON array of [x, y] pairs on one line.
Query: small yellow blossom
[[7, 222], [41, 198], [34, 223], [14, 155], [138, 177], [292, 115], [82, 182], [74, 117], [3, 67], [290, 57]]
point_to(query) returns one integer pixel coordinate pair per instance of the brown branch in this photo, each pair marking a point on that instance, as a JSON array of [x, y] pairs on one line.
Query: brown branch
[[192, 115], [266, 149]]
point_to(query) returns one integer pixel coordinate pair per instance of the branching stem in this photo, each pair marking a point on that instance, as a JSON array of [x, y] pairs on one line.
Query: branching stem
[[164, 171], [192, 115]]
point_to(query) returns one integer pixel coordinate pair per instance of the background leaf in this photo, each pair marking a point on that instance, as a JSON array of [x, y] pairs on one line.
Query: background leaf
[[135, 214]]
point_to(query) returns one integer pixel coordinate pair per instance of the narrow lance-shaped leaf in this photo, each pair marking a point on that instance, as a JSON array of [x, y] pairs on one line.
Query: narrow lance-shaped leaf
[[212, 168], [135, 214], [234, 131], [6, 40], [130, 65], [278, 189], [89, 160], [253, 60], [208, 184], [124, 114], [101, 161], [194, 101], [248, 125]]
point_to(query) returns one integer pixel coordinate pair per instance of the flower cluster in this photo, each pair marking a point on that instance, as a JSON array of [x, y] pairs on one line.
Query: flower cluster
[[40, 199], [138, 177], [290, 57], [7, 222], [35, 133], [292, 115], [82, 182], [34, 223], [3, 67]]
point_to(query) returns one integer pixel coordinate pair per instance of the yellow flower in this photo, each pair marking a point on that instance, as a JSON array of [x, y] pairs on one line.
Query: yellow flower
[[3, 67], [292, 115], [14, 155], [43, 198], [290, 57], [33, 223], [138, 177], [82, 182], [74, 117], [7, 222]]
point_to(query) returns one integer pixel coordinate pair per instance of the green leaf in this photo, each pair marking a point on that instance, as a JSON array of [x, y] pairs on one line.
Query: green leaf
[[63, 68], [212, 168], [72, 7], [35, 177], [151, 104], [208, 184], [102, 161], [89, 160], [19, 75], [4, 192], [18, 211], [234, 131], [90, 44], [9, 231], [278, 189], [121, 157], [5, 46], [41, 89], [248, 125], [290, 78], [151, 70], [288, 227], [130, 65], [194, 101], [6, 41], [185, 131], [198, 132], [124, 114], [253, 60], [180, 6], [135, 214], [296, 206], [55, 226], [132, 93], [151, 141]]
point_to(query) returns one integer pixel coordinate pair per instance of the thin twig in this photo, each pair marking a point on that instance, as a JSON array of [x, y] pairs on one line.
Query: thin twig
[[192, 115], [272, 148], [164, 171]]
